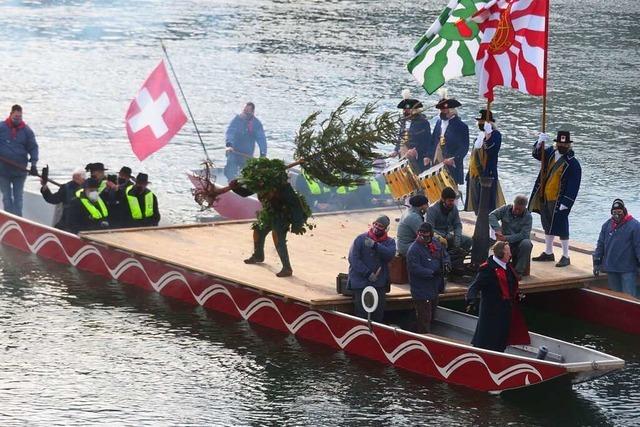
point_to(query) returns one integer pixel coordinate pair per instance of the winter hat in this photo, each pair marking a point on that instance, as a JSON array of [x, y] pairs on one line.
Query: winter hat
[[418, 200], [425, 227], [619, 204], [383, 220]]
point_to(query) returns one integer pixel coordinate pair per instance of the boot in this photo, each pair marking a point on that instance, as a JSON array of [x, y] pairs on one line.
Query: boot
[[258, 248], [279, 240]]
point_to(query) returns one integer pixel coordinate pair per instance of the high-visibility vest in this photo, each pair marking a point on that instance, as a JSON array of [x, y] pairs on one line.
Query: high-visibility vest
[[102, 186], [375, 187], [90, 207], [344, 190], [314, 186], [134, 205]]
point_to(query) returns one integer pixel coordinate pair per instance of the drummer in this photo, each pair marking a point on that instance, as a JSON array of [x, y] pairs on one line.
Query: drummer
[[414, 136], [450, 140]]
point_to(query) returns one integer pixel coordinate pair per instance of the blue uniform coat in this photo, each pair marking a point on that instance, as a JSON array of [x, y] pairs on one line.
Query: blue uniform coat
[[456, 145], [618, 251], [569, 186], [363, 261], [426, 270], [419, 137]]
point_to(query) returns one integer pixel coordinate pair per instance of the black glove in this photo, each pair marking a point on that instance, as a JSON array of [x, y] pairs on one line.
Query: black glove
[[447, 268], [44, 176], [34, 170]]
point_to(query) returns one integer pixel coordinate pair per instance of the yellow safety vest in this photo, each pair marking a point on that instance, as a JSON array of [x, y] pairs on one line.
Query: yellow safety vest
[[375, 187], [315, 187], [134, 206], [344, 190], [102, 186], [93, 211]]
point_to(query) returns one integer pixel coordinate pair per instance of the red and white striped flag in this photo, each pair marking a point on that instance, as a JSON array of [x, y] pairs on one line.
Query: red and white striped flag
[[513, 48]]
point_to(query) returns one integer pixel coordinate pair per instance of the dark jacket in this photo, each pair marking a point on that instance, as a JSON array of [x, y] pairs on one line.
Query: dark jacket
[[363, 261], [500, 322], [19, 146], [285, 206], [569, 186], [125, 209], [80, 218], [408, 226], [419, 136], [444, 222], [514, 228], [618, 250], [426, 270], [65, 195], [456, 138]]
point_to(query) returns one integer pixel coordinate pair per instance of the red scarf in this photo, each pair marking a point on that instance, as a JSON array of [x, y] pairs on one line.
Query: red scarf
[[615, 225], [375, 238], [14, 129], [431, 246]]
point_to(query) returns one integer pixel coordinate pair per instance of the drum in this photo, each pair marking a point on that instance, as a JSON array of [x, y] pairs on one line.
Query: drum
[[434, 180], [401, 180]]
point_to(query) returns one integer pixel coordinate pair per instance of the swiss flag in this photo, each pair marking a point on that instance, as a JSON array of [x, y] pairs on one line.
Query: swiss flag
[[155, 115]]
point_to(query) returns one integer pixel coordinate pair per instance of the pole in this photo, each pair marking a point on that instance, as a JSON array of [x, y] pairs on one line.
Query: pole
[[480, 249], [175, 76], [21, 168], [543, 160]]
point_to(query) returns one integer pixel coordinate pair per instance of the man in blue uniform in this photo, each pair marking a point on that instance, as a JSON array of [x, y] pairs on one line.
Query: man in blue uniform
[[555, 192], [427, 263], [244, 131], [618, 250], [369, 259], [450, 140], [484, 163], [18, 146], [414, 134]]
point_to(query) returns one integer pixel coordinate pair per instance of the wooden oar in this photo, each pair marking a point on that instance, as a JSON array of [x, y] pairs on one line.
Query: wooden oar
[[22, 168]]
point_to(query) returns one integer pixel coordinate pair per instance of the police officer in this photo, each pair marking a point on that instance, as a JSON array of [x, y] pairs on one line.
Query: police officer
[[142, 204], [88, 211]]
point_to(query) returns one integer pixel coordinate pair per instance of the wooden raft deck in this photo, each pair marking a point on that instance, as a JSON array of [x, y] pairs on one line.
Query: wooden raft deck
[[317, 257]]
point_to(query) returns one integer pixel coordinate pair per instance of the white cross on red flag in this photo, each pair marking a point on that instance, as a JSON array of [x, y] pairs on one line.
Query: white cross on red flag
[[154, 115], [512, 52]]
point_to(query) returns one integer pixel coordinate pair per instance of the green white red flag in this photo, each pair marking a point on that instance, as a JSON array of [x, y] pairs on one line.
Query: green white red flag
[[449, 47]]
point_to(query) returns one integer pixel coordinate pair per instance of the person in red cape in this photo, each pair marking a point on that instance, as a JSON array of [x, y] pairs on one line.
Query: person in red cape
[[500, 322]]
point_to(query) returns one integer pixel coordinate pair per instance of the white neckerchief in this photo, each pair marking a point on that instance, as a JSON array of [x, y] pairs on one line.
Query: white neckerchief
[[407, 124], [443, 126], [500, 262], [557, 155]]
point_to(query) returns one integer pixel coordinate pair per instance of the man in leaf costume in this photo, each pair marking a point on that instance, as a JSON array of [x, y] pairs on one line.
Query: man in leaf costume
[[283, 209]]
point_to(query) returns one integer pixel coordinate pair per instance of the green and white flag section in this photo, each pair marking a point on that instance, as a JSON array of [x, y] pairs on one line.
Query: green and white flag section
[[448, 49]]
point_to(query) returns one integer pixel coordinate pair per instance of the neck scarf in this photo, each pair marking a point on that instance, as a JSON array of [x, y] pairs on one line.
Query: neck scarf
[[375, 238], [14, 129], [615, 225]]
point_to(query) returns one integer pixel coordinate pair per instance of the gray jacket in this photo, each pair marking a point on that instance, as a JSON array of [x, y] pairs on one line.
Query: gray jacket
[[514, 228], [445, 222], [408, 229]]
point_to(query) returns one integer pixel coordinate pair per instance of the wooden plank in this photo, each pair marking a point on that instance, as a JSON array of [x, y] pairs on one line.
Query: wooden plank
[[317, 257]]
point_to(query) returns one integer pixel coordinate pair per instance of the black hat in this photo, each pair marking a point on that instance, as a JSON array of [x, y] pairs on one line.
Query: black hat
[[418, 200], [447, 103], [88, 167], [619, 204], [383, 220], [142, 178], [94, 167], [410, 103], [125, 170], [448, 193], [483, 116], [91, 183], [563, 137], [425, 227]]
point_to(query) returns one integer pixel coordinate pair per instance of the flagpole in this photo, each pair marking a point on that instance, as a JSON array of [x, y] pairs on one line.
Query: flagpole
[[546, 50], [175, 76]]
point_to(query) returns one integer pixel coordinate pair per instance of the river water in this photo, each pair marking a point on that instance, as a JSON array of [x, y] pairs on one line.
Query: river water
[[81, 350]]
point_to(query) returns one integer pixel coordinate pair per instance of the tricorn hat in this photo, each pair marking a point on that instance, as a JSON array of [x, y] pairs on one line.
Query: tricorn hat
[[483, 116], [563, 137], [410, 103], [142, 178], [447, 103]]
